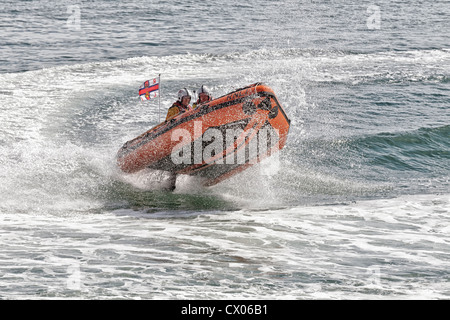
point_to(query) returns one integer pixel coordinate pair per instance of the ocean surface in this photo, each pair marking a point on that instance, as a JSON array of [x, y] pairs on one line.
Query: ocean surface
[[357, 207]]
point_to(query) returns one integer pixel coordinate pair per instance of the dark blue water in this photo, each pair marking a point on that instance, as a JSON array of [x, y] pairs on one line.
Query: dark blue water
[[40, 34], [358, 207]]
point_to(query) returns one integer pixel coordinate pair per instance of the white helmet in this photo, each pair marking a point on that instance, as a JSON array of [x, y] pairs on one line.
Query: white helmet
[[183, 93], [204, 89]]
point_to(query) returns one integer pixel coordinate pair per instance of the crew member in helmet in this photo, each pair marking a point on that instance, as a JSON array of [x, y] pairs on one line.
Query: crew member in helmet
[[181, 105], [203, 96]]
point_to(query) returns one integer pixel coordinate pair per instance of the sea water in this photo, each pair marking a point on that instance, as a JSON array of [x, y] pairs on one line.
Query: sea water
[[356, 206]]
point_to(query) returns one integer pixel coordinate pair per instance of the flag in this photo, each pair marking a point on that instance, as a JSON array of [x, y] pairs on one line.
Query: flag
[[149, 90]]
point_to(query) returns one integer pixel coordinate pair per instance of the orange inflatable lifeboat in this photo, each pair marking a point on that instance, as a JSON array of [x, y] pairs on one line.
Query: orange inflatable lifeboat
[[216, 140]]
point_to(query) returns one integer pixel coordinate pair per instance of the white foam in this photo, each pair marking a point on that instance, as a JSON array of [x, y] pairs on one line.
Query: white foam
[[54, 227], [341, 251]]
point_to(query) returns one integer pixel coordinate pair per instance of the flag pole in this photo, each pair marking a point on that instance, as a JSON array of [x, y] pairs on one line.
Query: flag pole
[[159, 111]]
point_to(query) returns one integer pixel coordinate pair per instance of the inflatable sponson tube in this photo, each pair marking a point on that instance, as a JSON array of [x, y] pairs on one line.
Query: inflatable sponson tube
[[216, 140]]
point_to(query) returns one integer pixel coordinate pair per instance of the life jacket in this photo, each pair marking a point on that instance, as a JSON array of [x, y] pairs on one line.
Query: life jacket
[[176, 109]]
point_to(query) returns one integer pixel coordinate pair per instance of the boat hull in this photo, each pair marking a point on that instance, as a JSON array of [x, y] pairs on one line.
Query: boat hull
[[216, 140]]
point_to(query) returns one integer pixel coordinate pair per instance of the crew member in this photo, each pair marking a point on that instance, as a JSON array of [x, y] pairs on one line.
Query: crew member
[[181, 105], [203, 96]]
